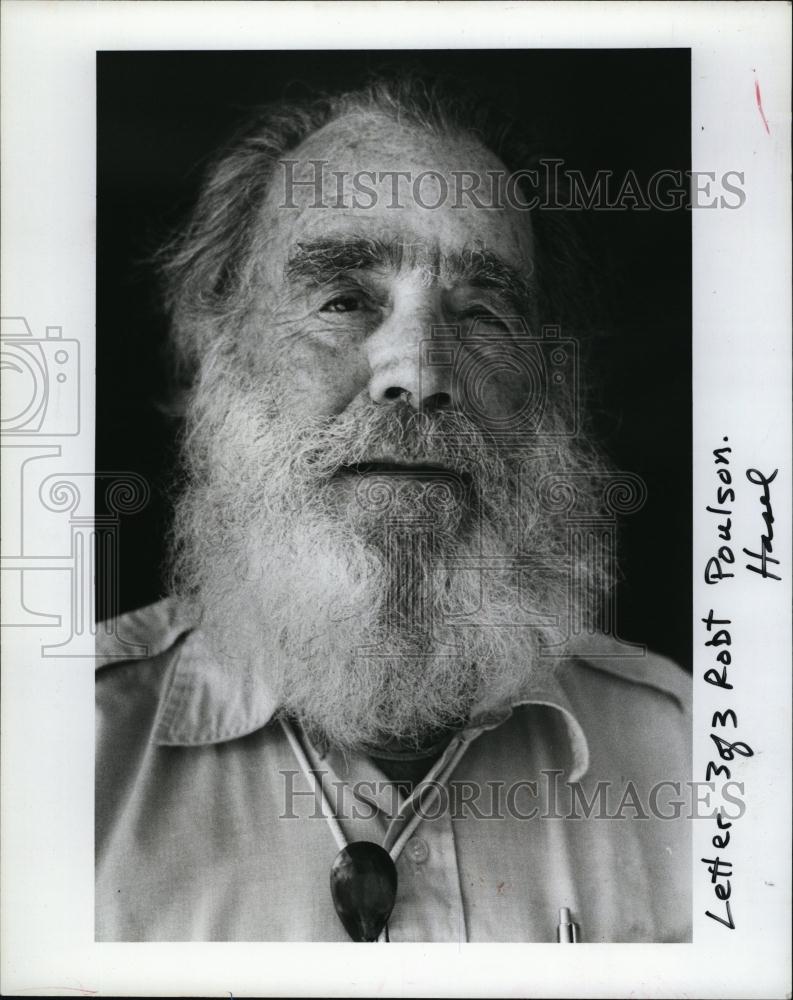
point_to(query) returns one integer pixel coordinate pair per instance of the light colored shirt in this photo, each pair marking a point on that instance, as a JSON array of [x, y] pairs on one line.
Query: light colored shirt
[[207, 827]]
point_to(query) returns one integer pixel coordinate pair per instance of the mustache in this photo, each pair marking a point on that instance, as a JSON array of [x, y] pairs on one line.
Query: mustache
[[370, 438]]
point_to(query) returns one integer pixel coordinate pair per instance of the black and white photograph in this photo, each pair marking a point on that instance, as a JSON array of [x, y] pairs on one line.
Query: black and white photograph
[[402, 329], [396, 490]]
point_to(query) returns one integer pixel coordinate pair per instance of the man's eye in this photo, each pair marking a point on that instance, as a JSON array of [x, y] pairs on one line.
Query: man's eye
[[343, 304], [484, 320]]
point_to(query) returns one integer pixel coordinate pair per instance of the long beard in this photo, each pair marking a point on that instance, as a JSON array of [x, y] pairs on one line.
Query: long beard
[[380, 607]]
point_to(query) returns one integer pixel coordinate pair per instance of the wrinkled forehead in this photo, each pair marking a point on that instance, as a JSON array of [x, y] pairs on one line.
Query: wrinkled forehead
[[365, 176]]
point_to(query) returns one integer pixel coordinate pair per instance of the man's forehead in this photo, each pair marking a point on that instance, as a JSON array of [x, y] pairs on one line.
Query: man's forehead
[[375, 141]]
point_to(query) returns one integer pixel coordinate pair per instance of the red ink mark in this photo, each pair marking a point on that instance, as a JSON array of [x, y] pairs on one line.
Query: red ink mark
[[759, 100]]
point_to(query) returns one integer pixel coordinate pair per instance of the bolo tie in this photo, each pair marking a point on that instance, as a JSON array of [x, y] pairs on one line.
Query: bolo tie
[[363, 875]]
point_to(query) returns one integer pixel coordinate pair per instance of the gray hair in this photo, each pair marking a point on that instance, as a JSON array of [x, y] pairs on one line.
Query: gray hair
[[207, 267]]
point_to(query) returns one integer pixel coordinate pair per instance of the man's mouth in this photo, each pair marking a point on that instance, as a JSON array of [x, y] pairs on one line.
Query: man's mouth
[[390, 468], [410, 475]]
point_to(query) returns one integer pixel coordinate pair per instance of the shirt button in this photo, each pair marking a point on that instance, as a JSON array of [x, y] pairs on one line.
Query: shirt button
[[417, 850]]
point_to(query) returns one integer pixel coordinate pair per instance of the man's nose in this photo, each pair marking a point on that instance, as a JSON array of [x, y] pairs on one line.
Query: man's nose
[[398, 370]]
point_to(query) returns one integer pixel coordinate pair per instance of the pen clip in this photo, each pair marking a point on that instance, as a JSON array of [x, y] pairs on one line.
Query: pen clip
[[567, 931]]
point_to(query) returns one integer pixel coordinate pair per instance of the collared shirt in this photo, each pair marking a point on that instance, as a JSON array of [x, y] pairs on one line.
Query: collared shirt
[[207, 827]]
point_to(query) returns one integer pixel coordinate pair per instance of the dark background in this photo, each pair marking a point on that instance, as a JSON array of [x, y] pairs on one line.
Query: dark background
[[161, 115]]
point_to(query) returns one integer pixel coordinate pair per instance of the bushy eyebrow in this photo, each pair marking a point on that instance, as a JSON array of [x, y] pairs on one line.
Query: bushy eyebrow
[[325, 260], [484, 269]]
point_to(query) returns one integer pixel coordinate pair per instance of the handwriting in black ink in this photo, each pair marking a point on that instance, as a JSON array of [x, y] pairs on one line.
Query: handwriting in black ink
[[725, 494], [766, 540]]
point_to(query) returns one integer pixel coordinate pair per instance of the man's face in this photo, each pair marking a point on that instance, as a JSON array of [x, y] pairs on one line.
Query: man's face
[[349, 290]]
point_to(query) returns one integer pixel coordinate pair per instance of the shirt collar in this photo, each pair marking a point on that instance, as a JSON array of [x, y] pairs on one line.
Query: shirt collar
[[200, 706]]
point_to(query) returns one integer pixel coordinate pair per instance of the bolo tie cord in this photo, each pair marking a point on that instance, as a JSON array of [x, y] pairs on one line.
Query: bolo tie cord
[[462, 740]]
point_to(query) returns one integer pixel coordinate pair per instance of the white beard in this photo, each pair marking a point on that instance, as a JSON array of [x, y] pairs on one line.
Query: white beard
[[366, 632]]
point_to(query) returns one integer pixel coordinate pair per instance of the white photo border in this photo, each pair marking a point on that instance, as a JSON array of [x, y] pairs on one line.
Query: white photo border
[[741, 62]]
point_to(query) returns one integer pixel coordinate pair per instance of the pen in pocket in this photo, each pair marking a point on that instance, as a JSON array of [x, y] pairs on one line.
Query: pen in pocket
[[567, 931]]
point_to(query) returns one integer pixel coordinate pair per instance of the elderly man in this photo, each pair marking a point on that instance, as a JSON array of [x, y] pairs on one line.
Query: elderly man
[[364, 713]]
